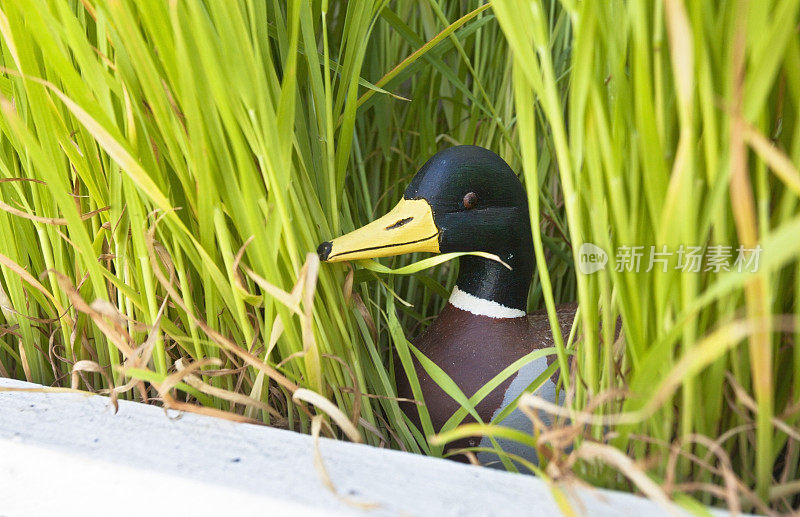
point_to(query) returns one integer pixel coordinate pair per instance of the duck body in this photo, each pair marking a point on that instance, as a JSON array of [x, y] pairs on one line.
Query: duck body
[[472, 348], [467, 199]]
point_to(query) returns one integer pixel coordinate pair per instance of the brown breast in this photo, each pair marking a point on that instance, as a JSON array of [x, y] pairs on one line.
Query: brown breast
[[473, 349]]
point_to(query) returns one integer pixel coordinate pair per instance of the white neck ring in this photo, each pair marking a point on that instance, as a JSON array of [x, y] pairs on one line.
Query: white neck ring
[[467, 302]]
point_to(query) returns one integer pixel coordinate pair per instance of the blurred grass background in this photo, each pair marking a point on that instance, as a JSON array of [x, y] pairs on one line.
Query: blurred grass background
[[166, 167]]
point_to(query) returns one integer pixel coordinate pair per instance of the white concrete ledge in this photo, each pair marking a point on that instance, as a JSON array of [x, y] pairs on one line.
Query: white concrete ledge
[[69, 454]]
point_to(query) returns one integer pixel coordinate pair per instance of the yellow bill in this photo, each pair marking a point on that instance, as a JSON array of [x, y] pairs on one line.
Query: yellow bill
[[407, 228]]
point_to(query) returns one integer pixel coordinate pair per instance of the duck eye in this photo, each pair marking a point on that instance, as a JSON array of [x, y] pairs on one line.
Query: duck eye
[[470, 200]]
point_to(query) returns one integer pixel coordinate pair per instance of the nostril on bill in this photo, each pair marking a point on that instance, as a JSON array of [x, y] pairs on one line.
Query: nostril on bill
[[324, 250], [399, 223]]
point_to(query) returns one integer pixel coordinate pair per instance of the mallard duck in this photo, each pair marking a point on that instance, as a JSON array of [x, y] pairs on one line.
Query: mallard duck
[[467, 198]]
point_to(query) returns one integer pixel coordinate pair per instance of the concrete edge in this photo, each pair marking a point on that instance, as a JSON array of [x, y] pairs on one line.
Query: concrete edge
[[69, 454]]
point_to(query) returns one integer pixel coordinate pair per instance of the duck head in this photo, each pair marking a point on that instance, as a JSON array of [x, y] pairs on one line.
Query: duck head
[[465, 198]]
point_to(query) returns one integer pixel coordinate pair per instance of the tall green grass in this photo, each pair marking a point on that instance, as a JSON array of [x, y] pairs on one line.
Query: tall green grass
[[167, 167], [679, 126]]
